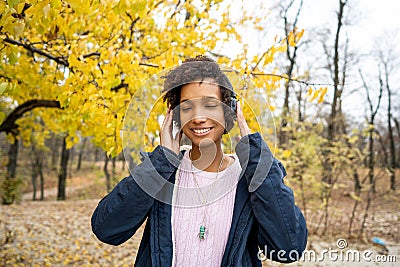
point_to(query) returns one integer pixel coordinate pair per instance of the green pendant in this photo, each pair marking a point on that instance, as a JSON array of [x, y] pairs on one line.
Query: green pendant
[[202, 232]]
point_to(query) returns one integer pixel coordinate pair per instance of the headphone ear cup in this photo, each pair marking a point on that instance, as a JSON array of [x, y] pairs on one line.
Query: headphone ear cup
[[234, 104]]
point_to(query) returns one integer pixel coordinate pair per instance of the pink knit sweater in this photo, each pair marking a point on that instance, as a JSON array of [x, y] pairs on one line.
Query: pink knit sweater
[[210, 206]]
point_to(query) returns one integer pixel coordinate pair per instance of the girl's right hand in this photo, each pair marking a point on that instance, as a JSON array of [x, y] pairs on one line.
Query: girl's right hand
[[243, 127], [166, 138]]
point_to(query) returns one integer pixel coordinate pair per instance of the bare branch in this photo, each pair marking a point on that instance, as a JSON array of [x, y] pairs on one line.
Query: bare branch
[[148, 65], [93, 54], [176, 9], [279, 76], [373, 112], [291, 79], [36, 50], [8, 125]]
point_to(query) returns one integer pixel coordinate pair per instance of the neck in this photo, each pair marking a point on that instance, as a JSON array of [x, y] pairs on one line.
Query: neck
[[206, 158]]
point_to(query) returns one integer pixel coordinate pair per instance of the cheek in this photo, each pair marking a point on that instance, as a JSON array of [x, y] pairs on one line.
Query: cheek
[[221, 119], [185, 117], [218, 116]]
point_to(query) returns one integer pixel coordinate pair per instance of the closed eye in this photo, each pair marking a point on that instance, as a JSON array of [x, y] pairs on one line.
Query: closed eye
[[185, 108], [211, 104]]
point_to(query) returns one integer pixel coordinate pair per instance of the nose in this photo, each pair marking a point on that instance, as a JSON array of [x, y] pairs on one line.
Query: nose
[[199, 119], [199, 115]]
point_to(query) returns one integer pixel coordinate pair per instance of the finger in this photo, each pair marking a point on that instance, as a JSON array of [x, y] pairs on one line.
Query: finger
[[178, 137], [239, 110], [167, 118]]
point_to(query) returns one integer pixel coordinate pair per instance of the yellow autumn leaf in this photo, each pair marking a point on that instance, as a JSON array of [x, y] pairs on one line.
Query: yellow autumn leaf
[[323, 91], [286, 153], [291, 39], [309, 91], [271, 107], [314, 95]]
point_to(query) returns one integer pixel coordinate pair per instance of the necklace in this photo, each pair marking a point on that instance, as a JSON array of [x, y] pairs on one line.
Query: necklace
[[202, 229]]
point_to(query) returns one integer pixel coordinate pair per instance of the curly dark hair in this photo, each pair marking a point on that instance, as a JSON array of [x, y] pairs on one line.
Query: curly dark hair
[[197, 70]]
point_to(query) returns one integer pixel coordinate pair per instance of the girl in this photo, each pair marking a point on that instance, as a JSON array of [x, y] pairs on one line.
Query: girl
[[203, 207]]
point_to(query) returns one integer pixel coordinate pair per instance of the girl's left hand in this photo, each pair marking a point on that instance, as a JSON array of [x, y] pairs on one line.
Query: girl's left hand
[[244, 128]]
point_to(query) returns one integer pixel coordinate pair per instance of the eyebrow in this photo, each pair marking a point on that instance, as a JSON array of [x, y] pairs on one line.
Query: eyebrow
[[204, 98]]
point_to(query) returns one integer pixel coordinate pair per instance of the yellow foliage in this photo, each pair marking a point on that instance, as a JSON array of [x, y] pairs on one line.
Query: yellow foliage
[[286, 153], [294, 37], [317, 94], [95, 55], [323, 91]]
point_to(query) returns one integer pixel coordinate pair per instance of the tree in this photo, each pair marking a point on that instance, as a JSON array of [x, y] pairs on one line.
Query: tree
[[392, 149], [88, 59], [291, 54], [337, 65], [388, 57], [371, 126]]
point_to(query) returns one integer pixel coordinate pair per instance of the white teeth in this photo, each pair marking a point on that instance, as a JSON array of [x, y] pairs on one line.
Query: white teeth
[[201, 131]]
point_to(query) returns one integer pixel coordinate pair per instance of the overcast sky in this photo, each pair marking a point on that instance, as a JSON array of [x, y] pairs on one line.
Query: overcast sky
[[371, 18], [367, 23]]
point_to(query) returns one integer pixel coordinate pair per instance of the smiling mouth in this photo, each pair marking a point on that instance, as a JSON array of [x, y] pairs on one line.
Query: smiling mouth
[[202, 131]]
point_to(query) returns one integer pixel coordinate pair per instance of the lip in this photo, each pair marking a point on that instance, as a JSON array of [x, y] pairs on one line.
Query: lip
[[201, 131]]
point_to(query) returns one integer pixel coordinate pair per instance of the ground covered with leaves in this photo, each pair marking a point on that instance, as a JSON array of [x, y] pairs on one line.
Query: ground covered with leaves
[[54, 233], [58, 233]]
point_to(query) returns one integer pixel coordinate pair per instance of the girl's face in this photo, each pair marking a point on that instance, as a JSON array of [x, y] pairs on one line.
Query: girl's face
[[201, 113]]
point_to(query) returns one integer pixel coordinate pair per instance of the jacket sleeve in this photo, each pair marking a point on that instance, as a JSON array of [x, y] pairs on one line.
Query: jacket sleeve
[[282, 233], [120, 213]]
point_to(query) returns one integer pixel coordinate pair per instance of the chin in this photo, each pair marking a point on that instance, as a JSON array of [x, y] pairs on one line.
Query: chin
[[205, 141]]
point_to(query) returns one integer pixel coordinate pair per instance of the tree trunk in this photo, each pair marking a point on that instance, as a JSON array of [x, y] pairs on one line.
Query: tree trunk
[[34, 185], [78, 167], [114, 171], [37, 170], [327, 175], [70, 161], [41, 180], [34, 172], [396, 122], [300, 103], [283, 134], [371, 123], [107, 173], [291, 55], [129, 159], [357, 192], [392, 161], [62, 176], [123, 162], [10, 184], [371, 160], [336, 92], [356, 178], [12, 159], [366, 212], [96, 154], [55, 152]]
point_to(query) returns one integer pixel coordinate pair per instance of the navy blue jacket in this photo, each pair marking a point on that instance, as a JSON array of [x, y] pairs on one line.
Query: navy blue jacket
[[264, 216]]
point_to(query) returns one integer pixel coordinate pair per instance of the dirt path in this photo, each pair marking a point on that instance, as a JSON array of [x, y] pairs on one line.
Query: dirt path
[[51, 193]]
